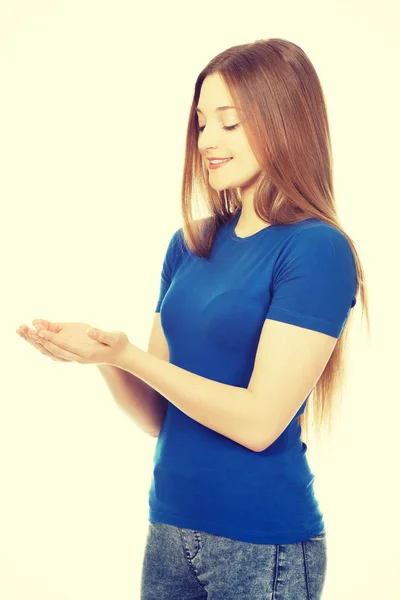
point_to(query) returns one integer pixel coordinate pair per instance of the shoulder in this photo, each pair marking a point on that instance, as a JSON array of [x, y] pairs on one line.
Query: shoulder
[[316, 252], [315, 236]]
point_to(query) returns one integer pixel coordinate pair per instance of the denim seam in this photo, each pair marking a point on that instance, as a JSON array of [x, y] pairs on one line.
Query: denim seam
[[303, 544], [277, 556], [189, 558]]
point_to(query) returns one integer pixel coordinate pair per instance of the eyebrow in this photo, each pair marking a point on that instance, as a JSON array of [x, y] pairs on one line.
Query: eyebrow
[[218, 109]]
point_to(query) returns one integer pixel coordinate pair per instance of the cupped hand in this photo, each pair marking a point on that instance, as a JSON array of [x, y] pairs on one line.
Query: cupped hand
[[66, 328], [83, 344]]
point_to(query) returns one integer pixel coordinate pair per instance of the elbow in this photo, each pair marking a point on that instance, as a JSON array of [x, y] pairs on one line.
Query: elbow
[[259, 446], [263, 443], [260, 440]]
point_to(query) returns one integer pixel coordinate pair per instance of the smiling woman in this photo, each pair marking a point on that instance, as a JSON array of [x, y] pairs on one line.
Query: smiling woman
[[264, 315]]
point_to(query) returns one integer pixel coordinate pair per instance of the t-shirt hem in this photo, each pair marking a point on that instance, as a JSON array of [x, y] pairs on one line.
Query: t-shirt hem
[[292, 318], [220, 529]]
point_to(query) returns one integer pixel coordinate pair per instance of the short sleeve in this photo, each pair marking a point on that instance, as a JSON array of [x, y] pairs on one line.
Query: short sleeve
[[168, 267], [314, 281]]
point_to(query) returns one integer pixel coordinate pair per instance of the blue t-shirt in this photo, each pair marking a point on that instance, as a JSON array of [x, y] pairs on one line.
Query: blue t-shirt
[[212, 314]]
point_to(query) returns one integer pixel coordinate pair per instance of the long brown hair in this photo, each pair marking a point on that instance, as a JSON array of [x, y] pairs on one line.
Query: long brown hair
[[286, 124]]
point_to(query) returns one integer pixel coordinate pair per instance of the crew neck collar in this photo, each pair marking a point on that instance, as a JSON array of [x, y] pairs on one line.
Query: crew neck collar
[[233, 236], [236, 238]]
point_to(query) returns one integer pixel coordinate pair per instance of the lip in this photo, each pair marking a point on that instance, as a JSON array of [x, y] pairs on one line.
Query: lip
[[218, 157], [218, 165]]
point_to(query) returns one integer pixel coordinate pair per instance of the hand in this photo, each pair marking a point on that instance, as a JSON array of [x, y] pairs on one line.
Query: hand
[[72, 341], [30, 335]]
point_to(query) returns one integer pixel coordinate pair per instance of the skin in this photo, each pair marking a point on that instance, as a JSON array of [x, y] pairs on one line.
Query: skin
[[241, 172], [30, 336], [79, 342]]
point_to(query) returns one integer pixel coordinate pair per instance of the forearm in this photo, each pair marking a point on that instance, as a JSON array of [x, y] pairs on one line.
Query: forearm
[[137, 399], [226, 409]]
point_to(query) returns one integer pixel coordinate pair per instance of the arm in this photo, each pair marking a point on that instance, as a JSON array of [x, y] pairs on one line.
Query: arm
[[145, 406], [138, 400], [226, 409]]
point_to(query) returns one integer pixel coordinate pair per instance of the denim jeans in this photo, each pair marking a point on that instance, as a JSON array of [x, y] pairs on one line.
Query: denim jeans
[[185, 564]]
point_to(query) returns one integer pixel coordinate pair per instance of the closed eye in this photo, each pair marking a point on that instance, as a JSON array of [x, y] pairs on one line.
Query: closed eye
[[230, 128]]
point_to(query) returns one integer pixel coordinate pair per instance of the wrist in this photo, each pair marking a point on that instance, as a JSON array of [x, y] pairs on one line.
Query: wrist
[[126, 357]]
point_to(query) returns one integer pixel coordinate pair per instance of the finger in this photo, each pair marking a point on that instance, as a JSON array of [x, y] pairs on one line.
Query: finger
[[60, 352], [49, 325], [103, 337], [41, 322], [41, 348], [22, 329], [25, 329], [61, 343], [45, 352], [26, 336], [55, 339]]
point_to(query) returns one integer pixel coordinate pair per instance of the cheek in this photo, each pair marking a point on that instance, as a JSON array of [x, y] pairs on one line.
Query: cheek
[[250, 162], [245, 165], [239, 148]]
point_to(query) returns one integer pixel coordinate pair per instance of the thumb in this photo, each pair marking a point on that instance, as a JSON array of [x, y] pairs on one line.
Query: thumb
[[96, 333], [106, 337]]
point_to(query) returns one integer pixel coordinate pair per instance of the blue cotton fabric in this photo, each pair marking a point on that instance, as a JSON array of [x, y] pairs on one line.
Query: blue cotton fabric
[[212, 313]]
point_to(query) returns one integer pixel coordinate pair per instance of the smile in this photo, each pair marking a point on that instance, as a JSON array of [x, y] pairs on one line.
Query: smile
[[218, 165]]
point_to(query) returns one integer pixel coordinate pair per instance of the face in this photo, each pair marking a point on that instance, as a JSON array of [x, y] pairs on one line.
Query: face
[[221, 135]]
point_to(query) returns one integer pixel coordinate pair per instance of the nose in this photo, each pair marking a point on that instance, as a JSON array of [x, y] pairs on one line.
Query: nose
[[205, 148], [207, 140]]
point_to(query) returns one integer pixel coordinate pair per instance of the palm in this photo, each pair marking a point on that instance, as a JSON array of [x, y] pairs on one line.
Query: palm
[[69, 330], [82, 347], [75, 333]]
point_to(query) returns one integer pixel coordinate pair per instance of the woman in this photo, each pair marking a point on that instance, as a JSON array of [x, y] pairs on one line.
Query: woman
[[254, 304]]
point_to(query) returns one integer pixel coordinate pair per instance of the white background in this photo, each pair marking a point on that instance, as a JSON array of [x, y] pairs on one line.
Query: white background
[[94, 104]]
